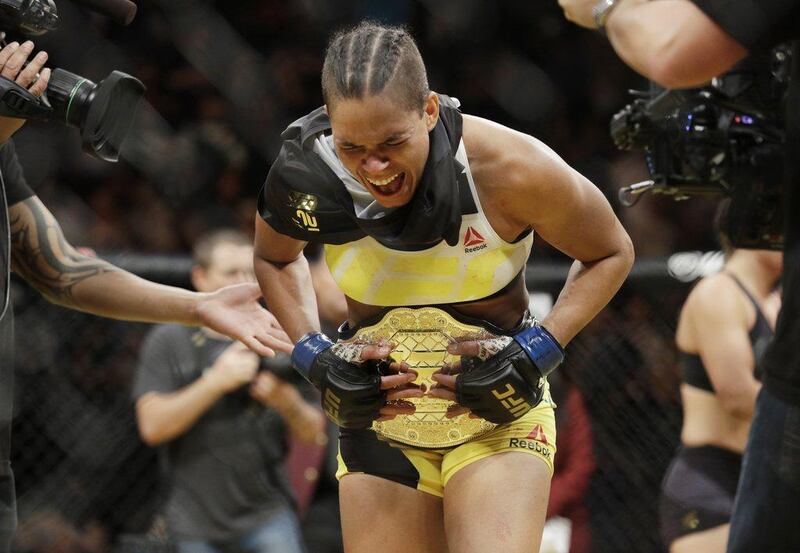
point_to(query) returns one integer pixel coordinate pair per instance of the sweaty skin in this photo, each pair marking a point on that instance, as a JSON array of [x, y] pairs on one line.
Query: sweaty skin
[[375, 141], [506, 166]]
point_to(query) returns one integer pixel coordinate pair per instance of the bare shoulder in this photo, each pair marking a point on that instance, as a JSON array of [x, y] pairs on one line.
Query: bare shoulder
[[716, 299], [508, 165], [499, 155], [713, 302]]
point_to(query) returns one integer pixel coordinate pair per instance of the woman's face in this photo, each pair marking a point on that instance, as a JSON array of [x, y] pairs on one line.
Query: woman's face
[[384, 144]]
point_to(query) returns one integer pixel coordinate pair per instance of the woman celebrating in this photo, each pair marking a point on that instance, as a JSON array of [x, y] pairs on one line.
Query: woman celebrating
[[438, 382]]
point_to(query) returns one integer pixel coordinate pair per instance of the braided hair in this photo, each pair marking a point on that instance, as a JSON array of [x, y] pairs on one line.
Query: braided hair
[[364, 60]]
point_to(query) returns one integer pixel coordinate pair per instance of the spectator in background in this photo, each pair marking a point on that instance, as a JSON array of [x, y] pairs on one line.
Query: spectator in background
[[574, 463], [723, 330], [33, 245], [223, 423]]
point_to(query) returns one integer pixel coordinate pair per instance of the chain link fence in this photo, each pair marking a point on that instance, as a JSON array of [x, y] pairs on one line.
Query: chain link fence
[[224, 78], [86, 481]]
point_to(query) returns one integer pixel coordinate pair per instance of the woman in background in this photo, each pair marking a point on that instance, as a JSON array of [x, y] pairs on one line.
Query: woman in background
[[724, 327]]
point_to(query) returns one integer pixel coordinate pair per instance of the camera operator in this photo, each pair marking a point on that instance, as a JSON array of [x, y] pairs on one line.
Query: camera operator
[[41, 255], [684, 43], [224, 423]]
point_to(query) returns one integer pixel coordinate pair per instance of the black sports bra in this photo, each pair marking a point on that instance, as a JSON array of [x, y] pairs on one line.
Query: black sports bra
[[692, 370]]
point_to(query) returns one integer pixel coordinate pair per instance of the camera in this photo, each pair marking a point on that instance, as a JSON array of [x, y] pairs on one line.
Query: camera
[[726, 138], [103, 112]]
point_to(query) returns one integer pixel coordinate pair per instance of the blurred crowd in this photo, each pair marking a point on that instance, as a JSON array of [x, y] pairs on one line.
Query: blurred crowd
[[223, 80]]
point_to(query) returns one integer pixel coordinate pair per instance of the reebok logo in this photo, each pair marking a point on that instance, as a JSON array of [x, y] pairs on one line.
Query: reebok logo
[[533, 445], [472, 238], [473, 241], [538, 434]]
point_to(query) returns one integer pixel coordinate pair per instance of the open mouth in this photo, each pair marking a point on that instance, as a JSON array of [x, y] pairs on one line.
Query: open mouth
[[388, 186]]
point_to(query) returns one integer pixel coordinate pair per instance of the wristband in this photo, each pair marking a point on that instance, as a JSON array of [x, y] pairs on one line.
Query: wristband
[[544, 350], [306, 350]]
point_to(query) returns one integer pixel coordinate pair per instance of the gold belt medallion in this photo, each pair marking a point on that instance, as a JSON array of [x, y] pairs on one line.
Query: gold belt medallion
[[421, 336]]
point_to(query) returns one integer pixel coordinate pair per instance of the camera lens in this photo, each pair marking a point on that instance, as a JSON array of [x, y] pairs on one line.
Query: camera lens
[[102, 111], [70, 95]]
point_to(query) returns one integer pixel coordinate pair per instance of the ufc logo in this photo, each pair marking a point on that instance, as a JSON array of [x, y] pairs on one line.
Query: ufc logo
[[331, 402], [516, 406]]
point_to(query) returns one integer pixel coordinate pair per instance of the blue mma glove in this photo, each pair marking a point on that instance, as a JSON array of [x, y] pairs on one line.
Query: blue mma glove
[[505, 386], [351, 393]]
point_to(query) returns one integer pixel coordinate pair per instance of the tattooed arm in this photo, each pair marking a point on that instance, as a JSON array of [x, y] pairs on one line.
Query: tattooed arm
[[42, 256]]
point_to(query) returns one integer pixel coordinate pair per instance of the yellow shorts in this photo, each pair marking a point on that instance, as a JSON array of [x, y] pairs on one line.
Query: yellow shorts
[[429, 470]]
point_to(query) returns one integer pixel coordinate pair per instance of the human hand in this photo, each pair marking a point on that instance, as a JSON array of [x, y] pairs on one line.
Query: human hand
[[235, 367], [235, 311], [33, 78], [305, 422], [397, 378], [398, 384], [269, 389], [501, 378], [499, 388], [354, 391], [446, 377], [579, 12]]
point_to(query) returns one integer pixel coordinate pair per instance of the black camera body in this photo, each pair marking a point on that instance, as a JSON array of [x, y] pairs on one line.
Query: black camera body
[[723, 139], [103, 112]]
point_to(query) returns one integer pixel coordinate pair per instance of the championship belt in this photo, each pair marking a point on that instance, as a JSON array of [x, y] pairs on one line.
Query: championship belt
[[421, 336]]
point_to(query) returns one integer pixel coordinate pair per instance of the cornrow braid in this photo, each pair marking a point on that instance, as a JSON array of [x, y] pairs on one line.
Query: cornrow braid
[[365, 59], [386, 64]]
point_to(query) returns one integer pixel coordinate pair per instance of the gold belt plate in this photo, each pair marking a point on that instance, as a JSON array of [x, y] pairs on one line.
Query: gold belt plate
[[421, 336]]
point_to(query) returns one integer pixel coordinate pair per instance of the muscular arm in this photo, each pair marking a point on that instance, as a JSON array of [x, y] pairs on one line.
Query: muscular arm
[[526, 185], [580, 223], [330, 299], [285, 279], [671, 42]]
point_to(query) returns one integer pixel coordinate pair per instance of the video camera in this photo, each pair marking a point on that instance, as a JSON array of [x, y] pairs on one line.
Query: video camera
[[725, 138], [102, 111]]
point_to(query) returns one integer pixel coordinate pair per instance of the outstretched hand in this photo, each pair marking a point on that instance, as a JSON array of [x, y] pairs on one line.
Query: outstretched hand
[[235, 311], [33, 77]]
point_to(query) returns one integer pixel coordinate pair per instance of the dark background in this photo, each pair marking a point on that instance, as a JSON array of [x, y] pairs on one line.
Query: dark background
[[223, 80]]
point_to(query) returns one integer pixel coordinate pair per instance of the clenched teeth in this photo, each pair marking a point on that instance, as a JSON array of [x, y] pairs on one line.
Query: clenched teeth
[[383, 182]]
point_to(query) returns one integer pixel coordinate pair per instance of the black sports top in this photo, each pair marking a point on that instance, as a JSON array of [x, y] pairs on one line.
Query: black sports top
[[305, 199], [694, 373]]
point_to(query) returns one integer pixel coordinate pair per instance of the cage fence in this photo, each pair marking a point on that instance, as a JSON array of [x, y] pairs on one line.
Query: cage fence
[[86, 481]]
